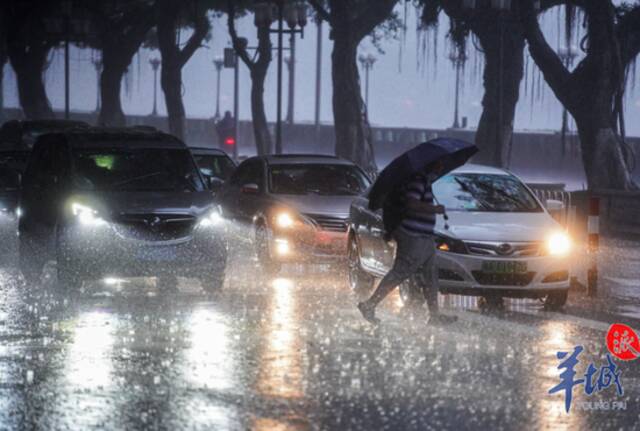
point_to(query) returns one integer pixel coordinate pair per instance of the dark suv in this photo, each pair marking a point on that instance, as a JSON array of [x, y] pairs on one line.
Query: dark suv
[[118, 202]]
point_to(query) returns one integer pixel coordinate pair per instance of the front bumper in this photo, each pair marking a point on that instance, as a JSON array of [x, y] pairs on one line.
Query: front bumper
[[463, 274], [100, 251], [311, 246]]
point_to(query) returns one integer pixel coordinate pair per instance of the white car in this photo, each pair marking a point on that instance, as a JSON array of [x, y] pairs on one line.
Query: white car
[[499, 240]]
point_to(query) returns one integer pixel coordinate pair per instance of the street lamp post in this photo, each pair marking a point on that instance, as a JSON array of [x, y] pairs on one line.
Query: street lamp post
[[97, 64], [457, 58], [155, 64], [295, 14], [367, 61], [218, 62]]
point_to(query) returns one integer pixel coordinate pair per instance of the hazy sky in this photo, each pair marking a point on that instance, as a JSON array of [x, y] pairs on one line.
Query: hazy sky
[[408, 88]]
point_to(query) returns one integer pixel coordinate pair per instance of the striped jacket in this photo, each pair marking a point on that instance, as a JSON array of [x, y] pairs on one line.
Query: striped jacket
[[418, 222]]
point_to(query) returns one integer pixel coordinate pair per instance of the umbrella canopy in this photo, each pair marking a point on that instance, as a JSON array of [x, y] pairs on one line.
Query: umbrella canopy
[[451, 152]]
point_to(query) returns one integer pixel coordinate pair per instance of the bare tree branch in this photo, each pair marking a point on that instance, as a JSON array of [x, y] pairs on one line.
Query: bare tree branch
[[372, 16], [235, 40], [628, 30], [320, 10], [554, 71]]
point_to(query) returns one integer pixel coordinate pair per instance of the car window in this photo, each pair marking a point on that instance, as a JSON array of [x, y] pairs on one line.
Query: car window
[[215, 165], [143, 169], [250, 172], [484, 192], [322, 179]]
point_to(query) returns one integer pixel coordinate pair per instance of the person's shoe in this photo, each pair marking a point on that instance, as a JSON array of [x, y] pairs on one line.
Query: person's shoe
[[442, 319], [369, 313]]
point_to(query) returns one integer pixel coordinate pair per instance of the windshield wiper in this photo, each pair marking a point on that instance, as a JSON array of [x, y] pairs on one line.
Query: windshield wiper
[[467, 189], [489, 187], [141, 177]]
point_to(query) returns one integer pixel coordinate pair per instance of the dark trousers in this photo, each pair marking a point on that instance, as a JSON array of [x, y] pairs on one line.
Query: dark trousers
[[415, 257]]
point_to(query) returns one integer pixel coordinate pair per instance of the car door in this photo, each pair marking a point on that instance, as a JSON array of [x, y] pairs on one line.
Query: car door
[[235, 199], [251, 199]]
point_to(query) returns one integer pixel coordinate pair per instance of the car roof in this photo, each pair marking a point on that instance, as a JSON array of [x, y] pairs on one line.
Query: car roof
[[208, 151], [138, 137], [471, 168], [61, 124], [305, 159]]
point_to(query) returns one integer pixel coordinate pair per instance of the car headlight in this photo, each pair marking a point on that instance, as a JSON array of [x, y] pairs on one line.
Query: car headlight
[[86, 215], [450, 245], [212, 218], [558, 244], [284, 220]]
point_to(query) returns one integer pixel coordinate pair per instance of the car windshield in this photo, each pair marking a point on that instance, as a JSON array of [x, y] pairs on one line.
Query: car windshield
[[320, 179], [145, 169], [212, 165], [484, 192]]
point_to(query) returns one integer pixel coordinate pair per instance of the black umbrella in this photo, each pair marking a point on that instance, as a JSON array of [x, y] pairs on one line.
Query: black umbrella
[[451, 152]]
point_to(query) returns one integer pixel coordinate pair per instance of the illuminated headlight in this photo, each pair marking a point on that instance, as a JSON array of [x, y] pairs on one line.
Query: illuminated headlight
[[282, 247], [213, 218], [559, 244], [86, 216], [451, 245], [284, 220]]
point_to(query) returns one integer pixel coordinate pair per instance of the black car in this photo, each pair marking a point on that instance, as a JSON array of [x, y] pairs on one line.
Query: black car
[[295, 206], [214, 164], [118, 202]]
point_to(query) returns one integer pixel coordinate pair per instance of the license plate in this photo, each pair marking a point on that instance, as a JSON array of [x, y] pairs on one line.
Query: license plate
[[504, 267], [157, 254]]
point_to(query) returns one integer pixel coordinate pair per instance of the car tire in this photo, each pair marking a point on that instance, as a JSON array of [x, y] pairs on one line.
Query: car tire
[[411, 293], [268, 265], [556, 300], [359, 281]]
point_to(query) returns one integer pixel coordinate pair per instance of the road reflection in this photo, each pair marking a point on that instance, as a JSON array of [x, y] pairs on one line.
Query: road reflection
[[551, 407], [280, 373]]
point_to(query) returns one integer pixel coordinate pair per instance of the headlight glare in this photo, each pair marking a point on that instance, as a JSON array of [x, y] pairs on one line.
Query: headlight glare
[[284, 220], [213, 218], [86, 215], [559, 244]]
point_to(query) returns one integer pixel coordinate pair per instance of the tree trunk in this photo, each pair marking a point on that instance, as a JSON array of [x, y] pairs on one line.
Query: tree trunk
[[503, 72], [171, 82], [353, 135], [602, 156], [29, 62], [111, 114], [260, 125]]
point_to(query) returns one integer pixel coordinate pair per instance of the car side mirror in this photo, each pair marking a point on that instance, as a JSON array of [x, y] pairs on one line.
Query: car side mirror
[[554, 205], [250, 189]]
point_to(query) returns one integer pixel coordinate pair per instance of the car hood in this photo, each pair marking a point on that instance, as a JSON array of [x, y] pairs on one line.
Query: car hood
[[114, 203], [491, 226], [317, 204]]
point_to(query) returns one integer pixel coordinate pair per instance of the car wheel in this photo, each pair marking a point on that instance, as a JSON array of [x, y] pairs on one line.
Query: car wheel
[[212, 282], [359, 281], [268, 265], [556, 300]]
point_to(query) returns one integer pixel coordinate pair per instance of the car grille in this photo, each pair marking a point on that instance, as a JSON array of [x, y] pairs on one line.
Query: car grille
[[155, 227], [327, 223], [487, 278], [512, 249]]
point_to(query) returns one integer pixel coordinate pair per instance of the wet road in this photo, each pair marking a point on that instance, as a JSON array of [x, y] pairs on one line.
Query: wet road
[[292, 353]]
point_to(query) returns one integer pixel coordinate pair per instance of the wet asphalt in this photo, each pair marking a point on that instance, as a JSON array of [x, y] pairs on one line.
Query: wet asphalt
[[292, 353]]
